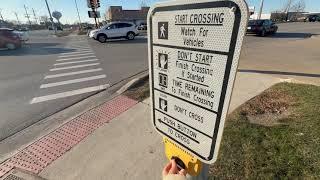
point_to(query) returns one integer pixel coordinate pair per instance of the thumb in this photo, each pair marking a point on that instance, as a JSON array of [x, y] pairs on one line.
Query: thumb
[[183, 172]]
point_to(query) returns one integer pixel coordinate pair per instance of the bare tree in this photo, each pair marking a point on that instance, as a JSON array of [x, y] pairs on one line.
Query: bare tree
[[294, 5], [299, 6], [143, 3], [287, 5]]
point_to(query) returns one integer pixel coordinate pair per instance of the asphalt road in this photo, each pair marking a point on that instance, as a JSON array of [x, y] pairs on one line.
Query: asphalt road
[[38, 80], [50, 74], [286, 32]]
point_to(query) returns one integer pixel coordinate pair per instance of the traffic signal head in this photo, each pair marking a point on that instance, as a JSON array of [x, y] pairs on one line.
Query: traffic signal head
[[95, 3]]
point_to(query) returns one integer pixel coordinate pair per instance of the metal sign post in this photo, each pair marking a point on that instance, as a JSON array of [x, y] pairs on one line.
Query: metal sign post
[[194, 48]]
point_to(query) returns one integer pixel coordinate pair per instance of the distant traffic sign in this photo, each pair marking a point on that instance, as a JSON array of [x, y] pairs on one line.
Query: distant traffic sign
[[194, 48]]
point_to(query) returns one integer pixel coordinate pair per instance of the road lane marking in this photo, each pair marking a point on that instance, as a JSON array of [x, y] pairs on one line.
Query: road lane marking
[[77, 52], [74, 62], [76, 55], [74, 67], [72, 73], [68, 93], [83, 57], [83, 48], [72, 81], [78, 45]]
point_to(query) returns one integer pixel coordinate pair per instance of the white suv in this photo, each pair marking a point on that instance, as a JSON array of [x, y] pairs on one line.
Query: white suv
[[115, 30]]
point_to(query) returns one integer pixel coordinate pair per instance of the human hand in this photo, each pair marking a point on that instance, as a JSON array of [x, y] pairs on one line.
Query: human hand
[[172, 168]]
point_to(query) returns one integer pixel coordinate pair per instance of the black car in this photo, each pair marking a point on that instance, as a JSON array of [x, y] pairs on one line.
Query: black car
[[262, 27], [314, 18]]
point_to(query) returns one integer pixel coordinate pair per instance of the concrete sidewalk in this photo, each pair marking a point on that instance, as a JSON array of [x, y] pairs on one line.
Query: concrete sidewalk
[[128, 147]]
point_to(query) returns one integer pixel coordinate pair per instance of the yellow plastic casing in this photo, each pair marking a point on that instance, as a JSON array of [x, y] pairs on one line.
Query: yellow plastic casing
[[193, 165]]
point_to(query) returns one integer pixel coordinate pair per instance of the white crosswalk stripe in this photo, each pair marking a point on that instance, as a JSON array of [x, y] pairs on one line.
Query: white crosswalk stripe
[[70, 55], [76, 52], [74, 67], [75, 62], [82, 57], [68, 93], [72, 74], [81, 48], [72, 81]]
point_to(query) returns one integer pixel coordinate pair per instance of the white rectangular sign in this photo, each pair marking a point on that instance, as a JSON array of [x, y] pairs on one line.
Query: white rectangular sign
[[194, 48]]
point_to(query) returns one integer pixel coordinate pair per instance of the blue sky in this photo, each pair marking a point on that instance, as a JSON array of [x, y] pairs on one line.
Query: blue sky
[[69, 14]]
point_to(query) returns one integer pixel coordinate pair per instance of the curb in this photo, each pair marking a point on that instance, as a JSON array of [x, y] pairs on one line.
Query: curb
[[133, 82]]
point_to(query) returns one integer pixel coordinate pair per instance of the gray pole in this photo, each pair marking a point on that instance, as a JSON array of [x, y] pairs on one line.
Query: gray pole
[[27, 15], [261, 8], [204, 173], [75, 1], [17, 17], [51, 19], [260, 11]]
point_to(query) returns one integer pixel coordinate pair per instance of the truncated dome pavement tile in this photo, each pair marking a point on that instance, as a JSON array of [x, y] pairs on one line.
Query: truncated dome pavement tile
[[44, 151]]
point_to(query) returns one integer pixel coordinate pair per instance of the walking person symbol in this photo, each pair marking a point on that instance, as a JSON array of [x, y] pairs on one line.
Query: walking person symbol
[[163, 30]]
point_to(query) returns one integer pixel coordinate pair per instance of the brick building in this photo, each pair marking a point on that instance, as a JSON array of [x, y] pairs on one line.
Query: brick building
[[116, 13]]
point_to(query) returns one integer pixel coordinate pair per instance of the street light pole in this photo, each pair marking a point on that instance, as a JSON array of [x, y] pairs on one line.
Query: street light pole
[[75, 1], [51, 19], [260, 11]]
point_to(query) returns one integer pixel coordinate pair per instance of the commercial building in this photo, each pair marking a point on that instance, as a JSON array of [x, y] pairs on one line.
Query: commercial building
[[116, 13]]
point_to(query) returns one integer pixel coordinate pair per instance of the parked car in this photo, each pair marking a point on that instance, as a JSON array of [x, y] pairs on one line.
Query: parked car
[[115, 30], [262, 27], [9, 39], [142, 26], [314, 18]]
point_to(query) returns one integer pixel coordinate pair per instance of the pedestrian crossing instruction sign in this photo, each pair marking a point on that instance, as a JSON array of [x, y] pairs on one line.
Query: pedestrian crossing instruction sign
[[194, 48]]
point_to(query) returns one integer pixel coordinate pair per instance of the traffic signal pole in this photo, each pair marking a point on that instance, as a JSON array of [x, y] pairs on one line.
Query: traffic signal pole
[[95, 16], [51, 19]]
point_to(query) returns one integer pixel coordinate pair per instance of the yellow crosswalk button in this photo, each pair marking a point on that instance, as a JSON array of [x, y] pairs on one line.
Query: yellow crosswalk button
[[190, 162]]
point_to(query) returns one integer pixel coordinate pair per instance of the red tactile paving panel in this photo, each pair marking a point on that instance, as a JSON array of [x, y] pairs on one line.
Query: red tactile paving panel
[[41, 153], [5, 168]]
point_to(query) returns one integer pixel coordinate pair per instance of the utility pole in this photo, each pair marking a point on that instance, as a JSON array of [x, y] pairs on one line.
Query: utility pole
[[75, 1], [260, 11], [1, 15], [15, 13], [35, 17], [27, 15], [51, 19]]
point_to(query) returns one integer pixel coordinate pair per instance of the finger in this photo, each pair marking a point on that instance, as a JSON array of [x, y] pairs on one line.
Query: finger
[[183, 172], [166, 169], [174, 168]]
